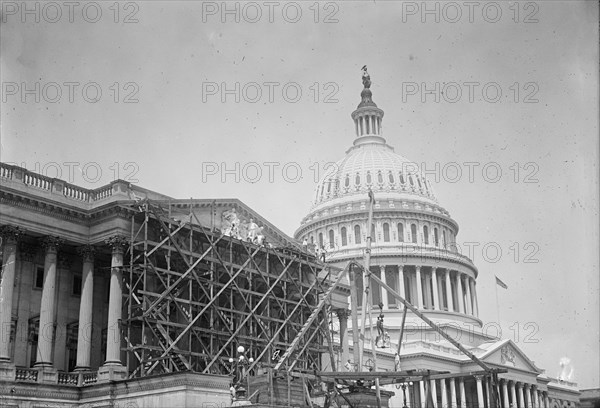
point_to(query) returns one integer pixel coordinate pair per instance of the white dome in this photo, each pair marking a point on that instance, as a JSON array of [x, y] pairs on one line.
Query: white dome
[[372, 165]]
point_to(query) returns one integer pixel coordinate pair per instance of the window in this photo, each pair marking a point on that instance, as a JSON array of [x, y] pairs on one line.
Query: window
[[379, 177], [391, 177], [373, 233], [402, 181], [425, 234], [76, 285], [38, 281], [344, 236], [320, 239], [331, 239], [410, 179], [71, 355], [413, 233], [386, 232], [436, 240], [357, 234], [400, 232], [444, 239], [347, 181], [357, 179], [369, 178]]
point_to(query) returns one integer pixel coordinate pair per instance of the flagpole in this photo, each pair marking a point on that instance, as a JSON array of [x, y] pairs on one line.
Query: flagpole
[[497, 303]]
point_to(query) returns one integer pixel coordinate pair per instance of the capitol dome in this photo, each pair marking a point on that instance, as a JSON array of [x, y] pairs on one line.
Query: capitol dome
[[413, 238], [372, 165]]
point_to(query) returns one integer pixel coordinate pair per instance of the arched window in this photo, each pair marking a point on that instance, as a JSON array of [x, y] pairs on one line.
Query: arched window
[[344, 237], [436, 240], [391, 177], [328, 186], [413, 233], [357, 239], [386, 232], [379, 177], [425, 234], [402, 181], [357, 179], [312, 239], [400, 232], [331, 241], [373, 238], [369, 177], [320, 240], [444, 238], [419, 181], [410, 179], [347, 181]]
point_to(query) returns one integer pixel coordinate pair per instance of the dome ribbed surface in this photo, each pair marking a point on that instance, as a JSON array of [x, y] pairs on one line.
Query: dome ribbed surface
[[375, 166]]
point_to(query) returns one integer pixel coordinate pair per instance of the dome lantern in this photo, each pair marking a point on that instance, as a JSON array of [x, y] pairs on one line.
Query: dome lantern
[[367, 116]]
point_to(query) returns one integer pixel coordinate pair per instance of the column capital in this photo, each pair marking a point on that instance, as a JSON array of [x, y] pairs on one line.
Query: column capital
[[418, 268], [87, 252], [117, 243], [478, 378], [10, 233], [382, 268], [342, 313], [400, 267], [527, 386], [51, 244]]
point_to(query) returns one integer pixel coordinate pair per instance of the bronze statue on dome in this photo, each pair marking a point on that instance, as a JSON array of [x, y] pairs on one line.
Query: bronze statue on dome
[[366, 78]]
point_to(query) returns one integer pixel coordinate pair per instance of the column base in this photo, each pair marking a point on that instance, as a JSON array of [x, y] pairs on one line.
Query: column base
[[7, 371], [112, 372], [46, 373]]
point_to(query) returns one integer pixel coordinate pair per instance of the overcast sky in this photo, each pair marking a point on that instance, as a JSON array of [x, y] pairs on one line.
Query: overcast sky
[[183, 99]]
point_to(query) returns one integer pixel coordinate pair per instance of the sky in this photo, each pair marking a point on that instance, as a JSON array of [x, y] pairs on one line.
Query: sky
[[497, 101]]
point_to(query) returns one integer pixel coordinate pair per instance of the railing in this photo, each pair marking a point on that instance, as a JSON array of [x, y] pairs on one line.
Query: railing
[[80, 379], [41, 182], [102, 192], [68, 378], [37, 180], [90, 378], [26, 375]]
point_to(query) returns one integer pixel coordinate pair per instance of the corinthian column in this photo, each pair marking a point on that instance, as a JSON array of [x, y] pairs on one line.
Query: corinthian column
[[459, 293], [9, 236], [520, 392], [449, 291], [480, 403], [342, 315], [436, 295], [113, 368], [46, 331], [401, 283], [505, 393], [469, 302], [419, 288], [84, 338]]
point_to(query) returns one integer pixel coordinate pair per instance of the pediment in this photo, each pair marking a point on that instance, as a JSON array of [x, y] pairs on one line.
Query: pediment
[[506, 353], [233, 218]]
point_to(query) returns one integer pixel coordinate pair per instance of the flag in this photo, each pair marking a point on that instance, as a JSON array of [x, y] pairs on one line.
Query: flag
[[371, 196], [500, 283]]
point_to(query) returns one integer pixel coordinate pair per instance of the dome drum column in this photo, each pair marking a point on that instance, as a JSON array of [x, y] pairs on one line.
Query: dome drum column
[[419, 287]]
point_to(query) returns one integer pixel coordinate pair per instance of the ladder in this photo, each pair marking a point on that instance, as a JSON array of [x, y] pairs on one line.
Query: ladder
[[310, 320]]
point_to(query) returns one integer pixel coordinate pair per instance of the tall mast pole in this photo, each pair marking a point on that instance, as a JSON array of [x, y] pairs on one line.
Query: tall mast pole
[[368, 298]]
